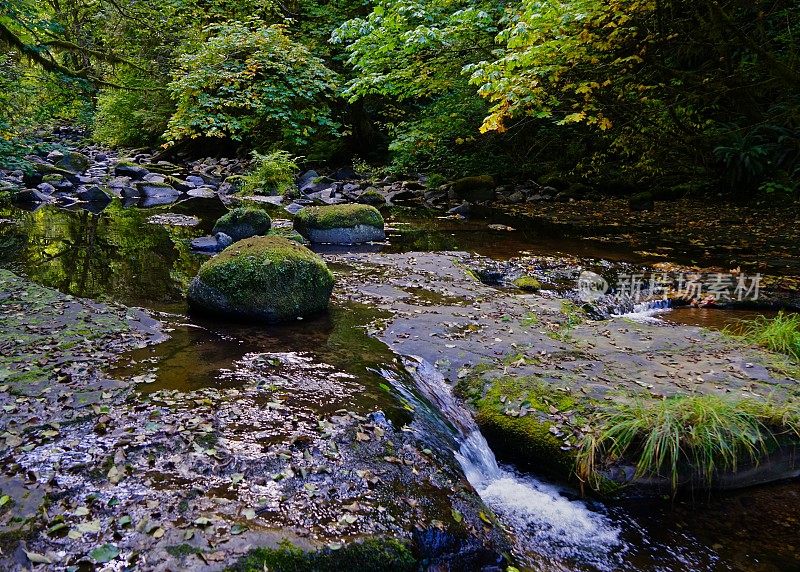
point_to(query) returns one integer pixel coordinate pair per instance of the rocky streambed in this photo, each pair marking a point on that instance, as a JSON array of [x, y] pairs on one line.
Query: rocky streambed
[[156, 438]]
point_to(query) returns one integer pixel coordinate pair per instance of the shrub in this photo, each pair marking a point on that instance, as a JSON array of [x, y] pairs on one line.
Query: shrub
[[250, 82], [132, 118], [273, 174]]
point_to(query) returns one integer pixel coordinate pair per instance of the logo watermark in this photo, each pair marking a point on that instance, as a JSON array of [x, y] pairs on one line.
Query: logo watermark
[[696, 286]]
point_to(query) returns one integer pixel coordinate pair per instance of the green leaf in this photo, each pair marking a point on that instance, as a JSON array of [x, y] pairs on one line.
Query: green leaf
[[105, 553]]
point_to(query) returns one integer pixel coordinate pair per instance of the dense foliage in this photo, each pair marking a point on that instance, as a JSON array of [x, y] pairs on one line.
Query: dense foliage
[[615, 93]]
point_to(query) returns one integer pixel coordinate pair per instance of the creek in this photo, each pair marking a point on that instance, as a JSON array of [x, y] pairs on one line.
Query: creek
[[119, 255]]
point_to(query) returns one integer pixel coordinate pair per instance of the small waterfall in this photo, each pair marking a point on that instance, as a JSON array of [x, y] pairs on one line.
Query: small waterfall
[[545, 523]]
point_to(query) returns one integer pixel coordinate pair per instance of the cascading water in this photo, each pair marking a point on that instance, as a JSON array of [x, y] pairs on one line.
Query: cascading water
[[547, 526]]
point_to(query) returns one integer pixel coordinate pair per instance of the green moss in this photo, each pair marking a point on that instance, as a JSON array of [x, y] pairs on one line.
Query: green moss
[[372, 554], [522, 437], [337, 216], [52, 179], [267, 277], [371, 196], [288, 234], [528, 283], [183, 550], [243, 222]]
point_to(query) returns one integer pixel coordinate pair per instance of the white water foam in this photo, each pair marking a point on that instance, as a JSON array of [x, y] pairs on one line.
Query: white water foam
[[543, 520]]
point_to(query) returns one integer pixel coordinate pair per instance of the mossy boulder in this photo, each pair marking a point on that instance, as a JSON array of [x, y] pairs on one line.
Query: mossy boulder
[[74, 162], [474, 189], [233, 184], [371, 196], [243, 222], [340, 224], [265, 278], [388, 555]]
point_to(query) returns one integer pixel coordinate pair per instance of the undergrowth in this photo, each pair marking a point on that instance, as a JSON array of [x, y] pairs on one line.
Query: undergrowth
[[272, 174]]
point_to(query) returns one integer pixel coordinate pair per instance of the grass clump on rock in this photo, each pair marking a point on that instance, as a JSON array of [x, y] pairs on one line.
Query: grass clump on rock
[[340, 224], [243, 222], [685, 438], [779, 334], [267, 278]]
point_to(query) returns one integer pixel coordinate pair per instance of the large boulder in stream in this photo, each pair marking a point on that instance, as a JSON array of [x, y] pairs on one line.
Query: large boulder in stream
[[73, 162], [265, 278], [243, 222], [478, 189], [154, 189], [340, 224]]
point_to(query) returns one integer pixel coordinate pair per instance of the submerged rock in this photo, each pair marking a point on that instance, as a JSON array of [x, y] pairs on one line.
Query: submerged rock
[[263, 278], [243, 222], [340, 224]]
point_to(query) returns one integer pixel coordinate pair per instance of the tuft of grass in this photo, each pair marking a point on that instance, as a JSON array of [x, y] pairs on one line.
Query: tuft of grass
[[779, 334], [691, 435], [273, 174]]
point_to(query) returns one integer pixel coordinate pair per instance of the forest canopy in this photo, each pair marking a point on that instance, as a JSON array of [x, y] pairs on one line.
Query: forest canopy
[[691, 97]]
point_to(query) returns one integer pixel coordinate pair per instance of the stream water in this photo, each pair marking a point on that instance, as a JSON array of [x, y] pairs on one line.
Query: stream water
[[119, 255]]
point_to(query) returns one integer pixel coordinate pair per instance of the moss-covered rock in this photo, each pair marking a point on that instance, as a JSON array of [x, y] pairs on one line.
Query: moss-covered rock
[[74, 162], [371, 196], [233, 184], [474, 189], [372, 554], [243, 222], [514, 415], [528, 283], [263, 278], [340, 224]]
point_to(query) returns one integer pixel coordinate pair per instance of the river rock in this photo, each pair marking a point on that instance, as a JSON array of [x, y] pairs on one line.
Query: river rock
[[340, 224], [73, 162], [474, 189], [212, 244], [125, 169], [268, 279], [93, 194], [29, 196], [371, 196], [152, 189], [243, 222]]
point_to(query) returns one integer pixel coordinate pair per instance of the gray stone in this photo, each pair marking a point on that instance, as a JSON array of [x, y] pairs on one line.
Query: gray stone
[[28, 196], [129, 170], [462, 209], [93, 195], [153, 190], [349, 235]]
